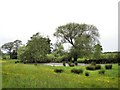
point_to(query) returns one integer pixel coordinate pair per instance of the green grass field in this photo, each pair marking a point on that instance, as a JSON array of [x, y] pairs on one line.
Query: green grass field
[[42, 76]]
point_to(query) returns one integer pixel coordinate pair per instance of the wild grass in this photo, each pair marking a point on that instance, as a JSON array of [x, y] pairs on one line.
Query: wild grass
[[43, 76]]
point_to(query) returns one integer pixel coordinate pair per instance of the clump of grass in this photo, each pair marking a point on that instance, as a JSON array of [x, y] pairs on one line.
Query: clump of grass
[[58, 70], [108, 66], [77, 71]]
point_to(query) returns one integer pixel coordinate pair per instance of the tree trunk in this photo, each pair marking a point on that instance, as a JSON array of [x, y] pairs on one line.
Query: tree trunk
[[75, 58]]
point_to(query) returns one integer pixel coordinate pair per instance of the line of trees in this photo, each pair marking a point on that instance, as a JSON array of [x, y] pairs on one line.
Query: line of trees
[[84, 39]]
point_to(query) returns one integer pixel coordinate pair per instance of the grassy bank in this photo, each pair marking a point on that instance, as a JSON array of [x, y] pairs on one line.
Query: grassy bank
[[42, 76]]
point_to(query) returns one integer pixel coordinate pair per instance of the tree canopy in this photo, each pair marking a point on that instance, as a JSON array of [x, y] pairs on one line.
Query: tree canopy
[[36, 49], [82, 37]]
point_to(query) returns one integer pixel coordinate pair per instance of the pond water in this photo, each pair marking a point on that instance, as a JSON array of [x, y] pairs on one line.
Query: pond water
[[61, 64]]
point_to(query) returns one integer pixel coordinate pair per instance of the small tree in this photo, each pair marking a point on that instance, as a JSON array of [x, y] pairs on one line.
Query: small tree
[[97, 51], [37, 48], [8, 47]]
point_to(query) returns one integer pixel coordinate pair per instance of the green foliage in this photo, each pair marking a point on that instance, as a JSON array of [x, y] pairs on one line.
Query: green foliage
[[37, 48], [82, 37], [5, 56], [50, 58], [108, 66], [11, 46], [102, 71], [97, 67], [20, 52], [17, 44], [77, 71], [93, 63], [93, 67], [97, 51], [90, 67], [58, 50], [58, 70], [87, 73]]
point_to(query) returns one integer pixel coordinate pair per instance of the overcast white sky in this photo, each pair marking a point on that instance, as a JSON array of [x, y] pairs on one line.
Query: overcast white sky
[[20, 19]]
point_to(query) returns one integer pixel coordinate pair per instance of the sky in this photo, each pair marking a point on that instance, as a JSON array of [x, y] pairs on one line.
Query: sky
[[20, 19]]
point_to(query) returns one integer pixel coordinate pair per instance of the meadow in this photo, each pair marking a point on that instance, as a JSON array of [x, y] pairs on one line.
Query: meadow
[[42, 76]]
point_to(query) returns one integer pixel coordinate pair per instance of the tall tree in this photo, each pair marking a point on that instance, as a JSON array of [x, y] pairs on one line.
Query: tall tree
[[82, 37], [8, 47]]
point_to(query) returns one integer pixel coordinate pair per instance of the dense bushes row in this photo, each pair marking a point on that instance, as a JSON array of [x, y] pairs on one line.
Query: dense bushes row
[[100, 61], [93, 66]]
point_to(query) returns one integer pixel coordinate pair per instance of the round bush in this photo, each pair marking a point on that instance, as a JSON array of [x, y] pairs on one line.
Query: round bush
[[77, 71], [97, 67], [58, 70], [90, 67], [102, 71], [87, 73], [108, 66]]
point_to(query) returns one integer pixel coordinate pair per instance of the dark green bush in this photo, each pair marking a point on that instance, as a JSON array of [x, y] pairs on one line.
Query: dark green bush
[[97, 67], [102, 71], [90, 67], [87, 73], [108, 66], [58, 70], [4, 58], [77, 71], [17, 62], [93, 67]]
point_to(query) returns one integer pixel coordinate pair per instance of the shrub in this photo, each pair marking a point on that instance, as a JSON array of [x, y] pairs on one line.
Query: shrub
[[87, 73], [64, 64], [4, 58], [17, 62], [102, 71], [90, 67], [108, 66], [77, 71], [58, 70], [97, 67]]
